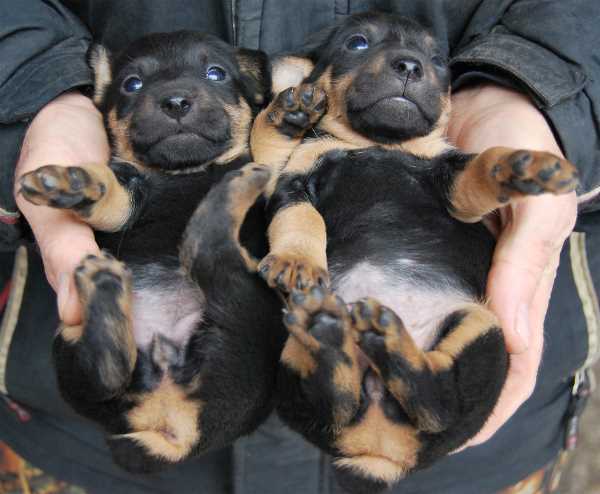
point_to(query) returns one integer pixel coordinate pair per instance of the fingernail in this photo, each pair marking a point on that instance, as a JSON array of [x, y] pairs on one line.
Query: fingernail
[[522, 324], [62, 295]]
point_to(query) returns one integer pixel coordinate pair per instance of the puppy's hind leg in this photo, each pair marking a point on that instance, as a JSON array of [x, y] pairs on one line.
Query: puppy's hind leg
[[241, 334], [212, 236], [319, 381], [94, 361], [447, 392]]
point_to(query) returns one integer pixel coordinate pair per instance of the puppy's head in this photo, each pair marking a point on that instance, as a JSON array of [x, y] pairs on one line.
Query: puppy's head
[[385, 77], [177, 100]]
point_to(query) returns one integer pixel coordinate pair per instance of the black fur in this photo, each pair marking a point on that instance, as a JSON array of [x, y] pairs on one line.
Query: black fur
[[383, 206], [232, 353]]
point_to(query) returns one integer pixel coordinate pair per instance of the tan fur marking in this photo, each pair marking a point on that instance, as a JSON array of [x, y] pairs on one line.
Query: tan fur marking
[[269, 146], [373, 467], [297, 357], [388, 449], [126, 330], [71, 334], [120, 132], [113, 209], [398, 388], [241, 199], [305, 156], [240, 118], [404, 345], [478, 321], [347, 378], [166, 421], [251, 67], [100, 63], [438, 361], [475, 193], [299, 231]]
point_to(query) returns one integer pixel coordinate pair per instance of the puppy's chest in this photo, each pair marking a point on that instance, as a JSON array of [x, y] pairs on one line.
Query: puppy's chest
[[391, 238]]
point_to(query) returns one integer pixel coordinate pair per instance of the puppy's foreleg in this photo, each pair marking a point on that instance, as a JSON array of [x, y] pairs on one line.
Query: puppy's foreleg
[[499, 176], [280, 127], [102, 196]]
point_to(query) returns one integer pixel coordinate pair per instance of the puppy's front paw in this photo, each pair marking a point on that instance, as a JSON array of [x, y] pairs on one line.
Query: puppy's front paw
[[64, 187], [526, 172], [297, 109], [288, 272]]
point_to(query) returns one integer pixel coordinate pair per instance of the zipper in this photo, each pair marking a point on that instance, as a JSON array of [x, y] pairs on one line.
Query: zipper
[[233, 22]]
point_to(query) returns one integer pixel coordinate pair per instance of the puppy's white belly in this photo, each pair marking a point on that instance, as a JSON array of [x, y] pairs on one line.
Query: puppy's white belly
[[172, 309], [421, 308]]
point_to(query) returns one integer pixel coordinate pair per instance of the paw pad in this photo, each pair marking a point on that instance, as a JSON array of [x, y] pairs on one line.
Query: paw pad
[[531, 173], [61, 187]]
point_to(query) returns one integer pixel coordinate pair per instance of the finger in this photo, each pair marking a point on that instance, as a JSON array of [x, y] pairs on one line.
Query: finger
[[522, 374], [64, 242], [527, 248]]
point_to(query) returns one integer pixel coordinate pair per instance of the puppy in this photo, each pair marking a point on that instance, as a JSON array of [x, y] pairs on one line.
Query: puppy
[[165, 359], [375, 193]]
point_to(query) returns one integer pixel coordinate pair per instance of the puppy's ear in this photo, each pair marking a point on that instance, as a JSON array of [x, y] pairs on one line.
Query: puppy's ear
[[99, 61], [255, 76], [289, 71]]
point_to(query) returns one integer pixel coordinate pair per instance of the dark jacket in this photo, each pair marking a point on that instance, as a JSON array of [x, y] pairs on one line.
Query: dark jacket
[[544, 48]]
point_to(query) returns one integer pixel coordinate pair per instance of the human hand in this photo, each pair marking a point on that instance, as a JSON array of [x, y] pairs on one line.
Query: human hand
[[530, 236], [67, 131]]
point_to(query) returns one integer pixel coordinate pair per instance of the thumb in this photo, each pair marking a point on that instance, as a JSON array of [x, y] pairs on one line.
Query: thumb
[[524, 255], [511, 291], [62, 249]]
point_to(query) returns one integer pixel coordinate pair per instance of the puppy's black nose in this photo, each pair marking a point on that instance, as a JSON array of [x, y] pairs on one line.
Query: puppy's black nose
[[175, 106], [408, 67]]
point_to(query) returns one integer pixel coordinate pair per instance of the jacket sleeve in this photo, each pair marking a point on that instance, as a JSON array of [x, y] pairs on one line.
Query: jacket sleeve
[[42, 54], [545, 48]]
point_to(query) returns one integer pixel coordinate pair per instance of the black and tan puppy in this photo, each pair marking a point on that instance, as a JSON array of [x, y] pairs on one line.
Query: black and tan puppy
[[165, 359], [374, 193]]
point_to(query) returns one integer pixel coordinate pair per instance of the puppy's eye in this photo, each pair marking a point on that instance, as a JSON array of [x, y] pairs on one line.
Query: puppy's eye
[[215, 74], [357, 42], [132, 84]]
